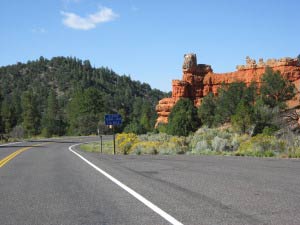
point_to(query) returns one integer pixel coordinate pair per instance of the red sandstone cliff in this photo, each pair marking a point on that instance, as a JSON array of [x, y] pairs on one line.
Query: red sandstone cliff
[[198, 80]]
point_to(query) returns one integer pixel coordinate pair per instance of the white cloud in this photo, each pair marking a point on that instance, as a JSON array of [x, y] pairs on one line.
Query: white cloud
[[75, 21]]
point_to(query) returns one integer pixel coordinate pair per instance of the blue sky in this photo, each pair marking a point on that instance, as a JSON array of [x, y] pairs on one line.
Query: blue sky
[[147, 39]]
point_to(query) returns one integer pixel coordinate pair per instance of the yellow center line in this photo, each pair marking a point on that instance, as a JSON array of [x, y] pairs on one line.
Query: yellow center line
[[14, 154]]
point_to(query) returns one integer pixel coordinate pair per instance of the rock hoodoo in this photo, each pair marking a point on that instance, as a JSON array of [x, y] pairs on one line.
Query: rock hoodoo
[[199, 79]]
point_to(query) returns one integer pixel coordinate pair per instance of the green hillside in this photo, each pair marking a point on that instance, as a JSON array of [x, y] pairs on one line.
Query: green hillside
[[66, 95]]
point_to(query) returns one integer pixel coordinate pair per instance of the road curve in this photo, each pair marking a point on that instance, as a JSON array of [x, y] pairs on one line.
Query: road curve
[[48, 184]]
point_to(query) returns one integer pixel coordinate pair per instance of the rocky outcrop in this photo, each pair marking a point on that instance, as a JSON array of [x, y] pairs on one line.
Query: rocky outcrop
[[199, 79], [163, 109], [251, 63]]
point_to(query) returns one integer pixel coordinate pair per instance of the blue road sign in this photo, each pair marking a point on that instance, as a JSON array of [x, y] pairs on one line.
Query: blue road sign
[[113, 119]]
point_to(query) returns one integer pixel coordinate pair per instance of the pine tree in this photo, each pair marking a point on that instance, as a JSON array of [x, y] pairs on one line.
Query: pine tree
[[52, 120], [275, 89], [16, 104], [243, 118], [264, 116], [206, 111], [147, 117], [84, 111], [250, 94], [183, 118], [74, 112], [134, 127], [31, 117], [8, 116], [228, 100], [92, 102], [142, 118]]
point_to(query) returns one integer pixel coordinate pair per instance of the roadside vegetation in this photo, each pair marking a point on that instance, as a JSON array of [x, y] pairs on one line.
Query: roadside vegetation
[[107, 147], [237, 122], [208, 141], [68, 96], [65, 96]]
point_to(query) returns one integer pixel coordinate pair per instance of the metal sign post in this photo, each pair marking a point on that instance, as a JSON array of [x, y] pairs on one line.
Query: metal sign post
[[100, 140], [114, 137], [112, 120], [101, 143]]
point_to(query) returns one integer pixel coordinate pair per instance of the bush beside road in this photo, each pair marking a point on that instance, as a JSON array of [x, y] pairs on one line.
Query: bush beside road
[[209, 141]]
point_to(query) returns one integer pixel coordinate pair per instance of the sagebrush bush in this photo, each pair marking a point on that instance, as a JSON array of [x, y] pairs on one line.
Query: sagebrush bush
[[151, 143], [145, 147], [202, 147], [262, 146], [216, 140], [204, 136], [294, 152], [237, 139], [209, 141], [161, 137], [175, 145], [220, 144]]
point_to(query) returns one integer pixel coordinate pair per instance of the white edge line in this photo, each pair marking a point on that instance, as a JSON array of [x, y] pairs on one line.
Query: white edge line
[[155, 208], [11, 143]]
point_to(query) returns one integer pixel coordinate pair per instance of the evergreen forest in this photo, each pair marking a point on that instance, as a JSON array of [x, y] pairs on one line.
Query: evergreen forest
[[68, 96]]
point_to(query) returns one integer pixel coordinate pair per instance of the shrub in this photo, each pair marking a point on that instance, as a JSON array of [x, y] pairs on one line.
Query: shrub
[[270, 130], [236, 141], [294, 152], [265, 116], [202, 134], [125, 142], [161, 137], [145, 147], [215, 141], [261, 146], [162, 128], [175, 145], [170, 149], [151, 143], [202, 147], [219, 144], [160, 144]]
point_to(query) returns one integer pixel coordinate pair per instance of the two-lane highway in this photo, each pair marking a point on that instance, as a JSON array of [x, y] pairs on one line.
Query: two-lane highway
[[51, 183]]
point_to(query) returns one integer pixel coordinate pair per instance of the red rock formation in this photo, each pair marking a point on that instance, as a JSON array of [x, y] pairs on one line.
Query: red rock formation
[[198, 80]]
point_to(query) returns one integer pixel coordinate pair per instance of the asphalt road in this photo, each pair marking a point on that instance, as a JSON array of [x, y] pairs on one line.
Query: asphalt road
[[49, 184]]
